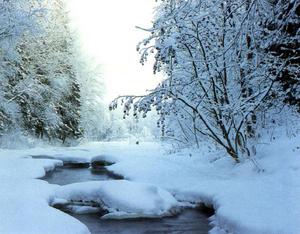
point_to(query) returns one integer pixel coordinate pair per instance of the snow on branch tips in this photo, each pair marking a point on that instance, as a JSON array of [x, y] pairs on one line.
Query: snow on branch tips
[[221, 81]]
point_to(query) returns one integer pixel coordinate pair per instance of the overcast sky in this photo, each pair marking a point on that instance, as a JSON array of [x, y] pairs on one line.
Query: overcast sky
[[108, 33]]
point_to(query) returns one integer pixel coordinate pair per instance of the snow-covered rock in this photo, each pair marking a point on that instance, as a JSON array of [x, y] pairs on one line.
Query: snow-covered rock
[[101, 161], [122, 198]]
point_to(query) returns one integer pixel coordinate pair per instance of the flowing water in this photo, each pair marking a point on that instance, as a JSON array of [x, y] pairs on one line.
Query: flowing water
[[190, 221]]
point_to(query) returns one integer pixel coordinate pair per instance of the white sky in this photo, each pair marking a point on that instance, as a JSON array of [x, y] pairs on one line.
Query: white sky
[[108, 33]]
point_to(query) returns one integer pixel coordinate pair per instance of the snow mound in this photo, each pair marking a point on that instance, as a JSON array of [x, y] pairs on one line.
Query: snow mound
[[121, 198]]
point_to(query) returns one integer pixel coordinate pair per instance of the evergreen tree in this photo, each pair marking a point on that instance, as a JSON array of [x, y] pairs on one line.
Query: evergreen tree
[[16, 18], [39, 84], [283, 41]]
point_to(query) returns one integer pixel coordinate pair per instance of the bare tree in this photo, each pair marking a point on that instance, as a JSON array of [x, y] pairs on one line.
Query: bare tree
[[218, 79]]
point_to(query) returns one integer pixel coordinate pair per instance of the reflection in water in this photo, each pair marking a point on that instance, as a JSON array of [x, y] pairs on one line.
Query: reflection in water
[[189, 222]]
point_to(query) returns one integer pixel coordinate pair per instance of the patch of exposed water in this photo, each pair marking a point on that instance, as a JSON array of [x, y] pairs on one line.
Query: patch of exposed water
[[190, 221]]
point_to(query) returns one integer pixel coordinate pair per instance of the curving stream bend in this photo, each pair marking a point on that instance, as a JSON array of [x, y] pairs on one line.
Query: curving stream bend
[[190, 221]]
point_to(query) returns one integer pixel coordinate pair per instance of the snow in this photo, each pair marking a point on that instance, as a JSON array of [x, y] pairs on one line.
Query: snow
[[24, 201], [246, 200], [121, 198]]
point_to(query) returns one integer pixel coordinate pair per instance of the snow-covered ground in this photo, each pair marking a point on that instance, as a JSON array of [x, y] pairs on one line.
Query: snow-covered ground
[[245, 200]]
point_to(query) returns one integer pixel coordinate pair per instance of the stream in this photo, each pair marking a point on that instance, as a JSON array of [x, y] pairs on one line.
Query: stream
[[190, 221]]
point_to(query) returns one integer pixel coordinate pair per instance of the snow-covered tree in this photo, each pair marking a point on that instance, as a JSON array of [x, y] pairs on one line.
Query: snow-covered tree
[[16, 18], [39, 91], [283, 41], [94, 119], [51, 106], [218, 79]]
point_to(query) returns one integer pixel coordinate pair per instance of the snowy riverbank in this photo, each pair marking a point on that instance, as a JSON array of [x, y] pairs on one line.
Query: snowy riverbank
[[245, 201]]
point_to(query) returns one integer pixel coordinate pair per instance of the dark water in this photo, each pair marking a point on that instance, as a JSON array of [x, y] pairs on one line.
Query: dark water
[[189, 221], [63, 175]]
